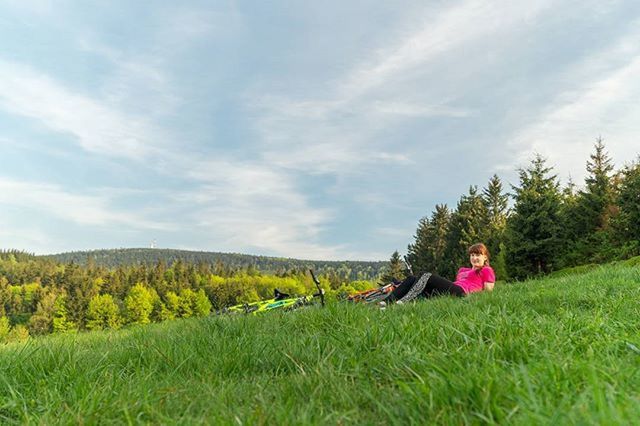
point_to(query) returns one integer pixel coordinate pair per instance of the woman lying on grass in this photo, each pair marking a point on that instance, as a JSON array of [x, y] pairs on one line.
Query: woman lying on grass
[[469, 280]]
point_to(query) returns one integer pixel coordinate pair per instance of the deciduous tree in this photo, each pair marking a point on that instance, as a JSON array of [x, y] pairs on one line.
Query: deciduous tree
[[103, 313]]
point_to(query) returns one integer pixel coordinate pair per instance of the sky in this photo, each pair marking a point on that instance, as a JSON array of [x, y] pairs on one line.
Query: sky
[[311, 130]]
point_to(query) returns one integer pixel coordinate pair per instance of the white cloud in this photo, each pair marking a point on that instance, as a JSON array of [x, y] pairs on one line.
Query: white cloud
[[463, 22], [23, 238], [187, 24], [247, 204], [136, 83], [40, 8], [88, 210], [93, 125], [339, 132], [418, 110], [51, 151], [602, 100]]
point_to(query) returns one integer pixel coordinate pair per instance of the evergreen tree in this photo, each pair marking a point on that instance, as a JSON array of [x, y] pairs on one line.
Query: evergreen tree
[[115, 283], [41, 322], [418, 251], [569, 220], [395, 270], [497, 210], [595, 200], [586, 215], [440, 221], [467, 227], [533, 230], [628, 220], [426, 254], [80, 289], [496, 203]]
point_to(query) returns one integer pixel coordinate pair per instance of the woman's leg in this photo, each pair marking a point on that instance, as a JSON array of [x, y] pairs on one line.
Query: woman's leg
[[438, 286], [409, 289], [402, 289], [417, 289]]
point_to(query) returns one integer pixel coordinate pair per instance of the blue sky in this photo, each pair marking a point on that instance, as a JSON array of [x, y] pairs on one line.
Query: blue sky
[[315, 130]]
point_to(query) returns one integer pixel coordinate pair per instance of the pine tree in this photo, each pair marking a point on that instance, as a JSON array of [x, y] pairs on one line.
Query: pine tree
[[80, 289], [467, 227], [569, 219], [418, 251], [497, 211], [628, 221], [586, 216], [395, 271], [426, 254], [440, 221], [41, 322], [533, 232], [598, 194]]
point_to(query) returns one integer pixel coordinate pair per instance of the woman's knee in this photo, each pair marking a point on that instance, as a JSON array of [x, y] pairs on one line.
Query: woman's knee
[[457, 291]]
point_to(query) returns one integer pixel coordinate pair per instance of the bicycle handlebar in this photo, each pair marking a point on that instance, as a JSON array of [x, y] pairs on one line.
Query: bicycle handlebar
[[320, 290], [406, 262]]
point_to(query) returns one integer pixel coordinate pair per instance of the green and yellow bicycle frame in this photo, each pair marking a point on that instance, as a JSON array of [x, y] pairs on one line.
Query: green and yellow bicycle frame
[[273, 304]]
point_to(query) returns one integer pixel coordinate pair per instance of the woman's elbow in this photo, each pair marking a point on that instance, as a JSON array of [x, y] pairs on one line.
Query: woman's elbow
[[489, 286]]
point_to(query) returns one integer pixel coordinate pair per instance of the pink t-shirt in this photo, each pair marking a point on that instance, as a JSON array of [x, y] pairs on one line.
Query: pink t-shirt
[[471, 281]]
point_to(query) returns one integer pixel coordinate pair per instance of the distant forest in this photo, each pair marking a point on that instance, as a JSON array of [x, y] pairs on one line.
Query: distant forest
[[344, 270], [39, 295]]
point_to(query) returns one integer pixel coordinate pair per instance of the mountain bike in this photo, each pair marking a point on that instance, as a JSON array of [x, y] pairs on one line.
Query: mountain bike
[[280, 301], [374, 295], [381, 293]]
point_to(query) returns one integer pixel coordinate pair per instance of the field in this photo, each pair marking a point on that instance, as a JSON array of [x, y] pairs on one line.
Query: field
[[562, 350]]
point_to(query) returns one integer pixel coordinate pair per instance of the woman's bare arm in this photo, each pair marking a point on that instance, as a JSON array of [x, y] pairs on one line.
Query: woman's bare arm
[[488, 286]]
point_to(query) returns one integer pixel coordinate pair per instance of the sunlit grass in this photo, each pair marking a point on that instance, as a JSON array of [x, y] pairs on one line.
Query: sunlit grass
[[558, 350]]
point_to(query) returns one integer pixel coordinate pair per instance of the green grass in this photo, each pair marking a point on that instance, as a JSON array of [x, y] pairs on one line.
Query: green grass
[[562, 350]]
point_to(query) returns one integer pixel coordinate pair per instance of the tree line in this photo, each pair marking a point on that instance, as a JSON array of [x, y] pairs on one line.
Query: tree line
[[112, 258], [546, 227], [41, 296]]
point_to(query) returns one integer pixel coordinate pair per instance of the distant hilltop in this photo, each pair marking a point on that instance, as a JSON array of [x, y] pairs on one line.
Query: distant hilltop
[[113, 258]]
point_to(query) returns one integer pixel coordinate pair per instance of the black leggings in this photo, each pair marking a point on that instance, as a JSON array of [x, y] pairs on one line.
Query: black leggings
[[435, 286]]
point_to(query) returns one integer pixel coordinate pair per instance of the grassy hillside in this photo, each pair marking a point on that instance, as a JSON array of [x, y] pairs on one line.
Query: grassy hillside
[[559, 350]]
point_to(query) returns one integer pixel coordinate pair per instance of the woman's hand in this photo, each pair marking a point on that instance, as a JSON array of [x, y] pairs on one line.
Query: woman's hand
[[489, 286]]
